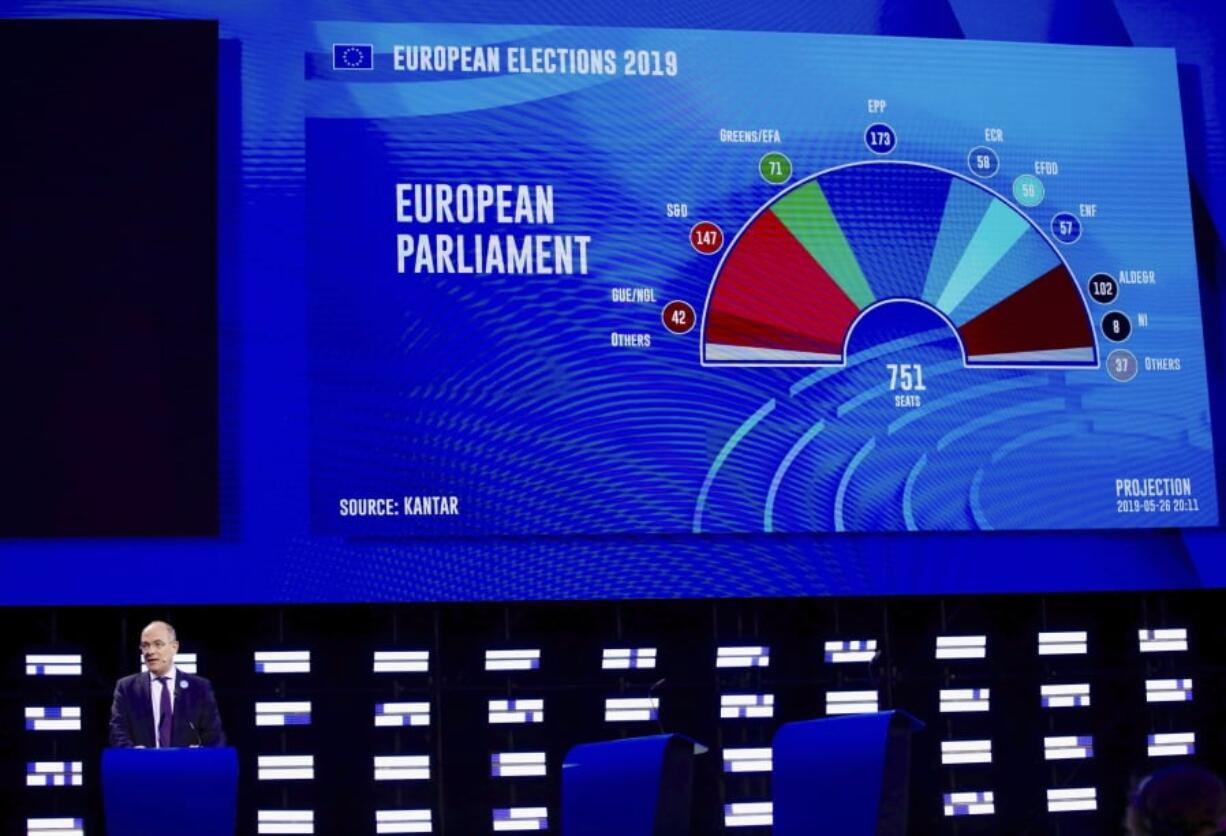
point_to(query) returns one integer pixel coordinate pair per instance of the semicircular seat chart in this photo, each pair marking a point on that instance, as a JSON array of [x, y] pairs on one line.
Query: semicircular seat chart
[[821, 254]]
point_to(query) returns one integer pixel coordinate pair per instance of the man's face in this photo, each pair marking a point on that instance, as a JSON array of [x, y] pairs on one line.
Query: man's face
[[158, 649]]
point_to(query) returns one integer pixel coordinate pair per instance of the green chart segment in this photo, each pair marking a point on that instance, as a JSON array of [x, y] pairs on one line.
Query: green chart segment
[[794, 281]]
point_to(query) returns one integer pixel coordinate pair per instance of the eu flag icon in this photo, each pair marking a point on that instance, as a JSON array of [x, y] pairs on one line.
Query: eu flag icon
[[353, 56]]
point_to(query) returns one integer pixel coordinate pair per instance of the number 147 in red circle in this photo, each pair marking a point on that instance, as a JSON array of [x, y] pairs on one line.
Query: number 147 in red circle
[[706, 237]]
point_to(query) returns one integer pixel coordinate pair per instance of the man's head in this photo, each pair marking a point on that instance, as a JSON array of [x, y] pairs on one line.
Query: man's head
[[158, 647], [1181, 800]]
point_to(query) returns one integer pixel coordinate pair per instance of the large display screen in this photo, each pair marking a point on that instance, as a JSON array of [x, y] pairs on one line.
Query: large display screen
[[579, 280], [616, 300]]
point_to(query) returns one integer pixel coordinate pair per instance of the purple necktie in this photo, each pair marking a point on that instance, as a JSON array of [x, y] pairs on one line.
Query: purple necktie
[[164, 718]]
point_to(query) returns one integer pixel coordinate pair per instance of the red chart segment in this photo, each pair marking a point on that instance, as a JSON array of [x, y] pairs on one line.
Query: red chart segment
[[774, 303], [1044, 322], [786, 293]]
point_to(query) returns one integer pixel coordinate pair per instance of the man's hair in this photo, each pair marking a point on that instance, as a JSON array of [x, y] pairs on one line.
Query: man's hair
[[169, 628], [1181, 800]]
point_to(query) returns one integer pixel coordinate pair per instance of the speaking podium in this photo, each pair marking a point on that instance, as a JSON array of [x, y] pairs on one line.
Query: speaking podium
[[640, 786], [844, 775], [203, 784]]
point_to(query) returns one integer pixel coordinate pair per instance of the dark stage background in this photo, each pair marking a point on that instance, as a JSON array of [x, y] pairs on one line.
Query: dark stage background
[[571, 638]]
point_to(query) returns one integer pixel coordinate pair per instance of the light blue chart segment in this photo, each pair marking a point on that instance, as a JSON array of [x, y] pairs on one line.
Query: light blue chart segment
[[1027, 260], [1000, 228], [963, 207]]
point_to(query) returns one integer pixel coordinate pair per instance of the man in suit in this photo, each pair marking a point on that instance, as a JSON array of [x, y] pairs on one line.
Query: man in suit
[[164, 706]]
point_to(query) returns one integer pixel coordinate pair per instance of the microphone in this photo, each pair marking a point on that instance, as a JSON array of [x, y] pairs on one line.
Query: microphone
[[650, 701], [196, 731]]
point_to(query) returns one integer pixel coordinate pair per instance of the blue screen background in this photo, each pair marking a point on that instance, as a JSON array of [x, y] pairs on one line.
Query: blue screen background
[[504, 389], [272, 550]]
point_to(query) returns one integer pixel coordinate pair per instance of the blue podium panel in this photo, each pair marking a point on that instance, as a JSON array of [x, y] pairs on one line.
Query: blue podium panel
[[845, 775], [204, 783], [635, 787]]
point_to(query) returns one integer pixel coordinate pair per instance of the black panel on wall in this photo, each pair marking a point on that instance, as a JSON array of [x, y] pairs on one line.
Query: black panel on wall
[[108, 253], [459, 740]]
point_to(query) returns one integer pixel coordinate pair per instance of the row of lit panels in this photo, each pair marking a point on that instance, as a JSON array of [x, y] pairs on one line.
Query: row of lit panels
[[1066, 643], [534, 764], [508, 819], [303, 821], [733, 706]]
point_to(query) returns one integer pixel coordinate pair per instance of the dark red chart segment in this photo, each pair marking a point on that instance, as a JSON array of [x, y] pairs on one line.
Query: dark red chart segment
[[1043, 319], [799, 273]]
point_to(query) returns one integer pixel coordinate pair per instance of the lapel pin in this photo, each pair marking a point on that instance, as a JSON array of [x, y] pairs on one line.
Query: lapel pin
[[182, 683]]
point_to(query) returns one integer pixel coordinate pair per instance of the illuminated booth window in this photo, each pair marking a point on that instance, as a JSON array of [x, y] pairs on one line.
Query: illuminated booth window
[[404, 821], [53, 718], [53, 774], [628, 658], [746, 706], [402, 767], [283, 661], [1075, 695], [743, 657], [956, 752], [970, 803], [631, 709], [1069, 643], [964, 700], [1072, 800], [53, 664], [1172, 640], [401, 661], [521, 818], [843, 652], [851, 702], [514, 712], [1172, 744], [962, 647], [517, 765], [749, 814], [748, 760], [285, 821], [513, 660], [1168, 690], [292, 713], [392, 714], [55, 827], [1068, 748], [286, 767]]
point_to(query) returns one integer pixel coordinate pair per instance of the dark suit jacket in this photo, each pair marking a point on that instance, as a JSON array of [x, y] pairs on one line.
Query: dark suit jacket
[[195, 706]]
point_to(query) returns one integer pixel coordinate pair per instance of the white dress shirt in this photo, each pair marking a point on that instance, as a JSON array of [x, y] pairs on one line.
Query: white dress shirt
[[155, 694]]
